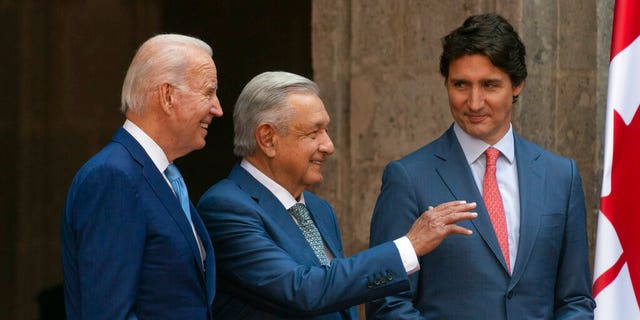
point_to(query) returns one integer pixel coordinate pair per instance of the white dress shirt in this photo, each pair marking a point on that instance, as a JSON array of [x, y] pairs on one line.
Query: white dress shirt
[[506, 174], [407, 253]]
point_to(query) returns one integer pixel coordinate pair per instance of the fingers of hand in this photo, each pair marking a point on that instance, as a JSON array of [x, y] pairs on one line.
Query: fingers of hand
[[456, 204], [450, 219], [454, 228], [446, 215], [453, 217], [449, 208]]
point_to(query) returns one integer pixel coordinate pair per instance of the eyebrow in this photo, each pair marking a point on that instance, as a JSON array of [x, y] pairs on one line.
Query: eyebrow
[[487, 80], [458, 80]]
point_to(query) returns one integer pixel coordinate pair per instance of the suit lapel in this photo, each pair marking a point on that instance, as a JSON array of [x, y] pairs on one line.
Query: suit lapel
[[456, 175], [161, 189], [531, 181], [208, 277], [274, 209]]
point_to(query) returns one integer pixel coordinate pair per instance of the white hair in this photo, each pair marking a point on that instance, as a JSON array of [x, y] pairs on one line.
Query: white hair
[[162, 58], [264, 100]]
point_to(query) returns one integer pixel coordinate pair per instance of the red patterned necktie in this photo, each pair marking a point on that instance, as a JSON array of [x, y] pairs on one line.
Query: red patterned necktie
[[493, 202]]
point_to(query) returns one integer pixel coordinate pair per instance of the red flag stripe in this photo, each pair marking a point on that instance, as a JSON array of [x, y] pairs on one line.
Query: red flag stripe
[[626, 26], [605, 279]]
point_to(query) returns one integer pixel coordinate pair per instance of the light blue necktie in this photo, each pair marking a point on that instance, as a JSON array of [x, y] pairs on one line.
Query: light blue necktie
[[173, 174], [310, 231]]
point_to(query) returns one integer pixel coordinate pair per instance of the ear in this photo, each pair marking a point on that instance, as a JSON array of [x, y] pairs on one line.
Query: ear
[[518, 89], [266, 137], [165, 96]]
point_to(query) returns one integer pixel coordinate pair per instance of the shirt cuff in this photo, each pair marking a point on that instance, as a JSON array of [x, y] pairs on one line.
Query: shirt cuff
[[407, 254]]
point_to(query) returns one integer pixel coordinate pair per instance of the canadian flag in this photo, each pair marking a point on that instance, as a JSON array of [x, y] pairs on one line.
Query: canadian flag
[[616, 286]]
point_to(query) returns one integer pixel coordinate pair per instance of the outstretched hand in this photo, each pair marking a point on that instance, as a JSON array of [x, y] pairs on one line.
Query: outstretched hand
[[435, 224]]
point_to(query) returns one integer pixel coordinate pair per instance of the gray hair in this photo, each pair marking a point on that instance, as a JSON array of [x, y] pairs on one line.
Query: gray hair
[[162, 58], [264, 100]]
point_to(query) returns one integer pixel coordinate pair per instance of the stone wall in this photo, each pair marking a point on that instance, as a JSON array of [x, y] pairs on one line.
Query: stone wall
[[377, 64]]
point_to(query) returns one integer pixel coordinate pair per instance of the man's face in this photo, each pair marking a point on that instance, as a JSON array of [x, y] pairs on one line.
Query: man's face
[[196, 104], [303, 146], [480, 97]]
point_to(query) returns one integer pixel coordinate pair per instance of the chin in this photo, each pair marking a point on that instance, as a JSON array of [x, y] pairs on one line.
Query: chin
[[476, 132], [312, 181], [200, 144]]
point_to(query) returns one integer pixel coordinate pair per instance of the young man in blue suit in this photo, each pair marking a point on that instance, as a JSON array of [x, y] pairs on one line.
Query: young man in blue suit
[[527, 257], [278, 247], [133, 246]]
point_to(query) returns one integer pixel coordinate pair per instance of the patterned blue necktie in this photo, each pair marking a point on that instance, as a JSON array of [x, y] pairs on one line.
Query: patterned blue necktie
[[310, 231], [179, 188]]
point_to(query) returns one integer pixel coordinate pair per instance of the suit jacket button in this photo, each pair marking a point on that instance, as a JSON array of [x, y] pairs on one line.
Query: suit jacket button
[[370, 285], [509, 294], [389, 276]]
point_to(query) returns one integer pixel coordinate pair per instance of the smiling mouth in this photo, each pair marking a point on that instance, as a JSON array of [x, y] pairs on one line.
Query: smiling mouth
[[204, 125]]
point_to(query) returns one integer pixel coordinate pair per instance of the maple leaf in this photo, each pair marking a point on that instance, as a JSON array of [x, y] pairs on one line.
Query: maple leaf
[[621, 206]]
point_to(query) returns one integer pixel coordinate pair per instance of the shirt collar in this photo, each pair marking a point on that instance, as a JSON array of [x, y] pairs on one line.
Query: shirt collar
[[152, 149], [278, 191], [473, 148]]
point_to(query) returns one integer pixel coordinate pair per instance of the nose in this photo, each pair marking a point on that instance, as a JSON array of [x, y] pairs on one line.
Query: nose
[[326, 145], [216, 108], [476, 99]]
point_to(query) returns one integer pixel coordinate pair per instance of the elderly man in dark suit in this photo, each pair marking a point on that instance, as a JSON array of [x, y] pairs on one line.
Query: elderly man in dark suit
[[133, 245]]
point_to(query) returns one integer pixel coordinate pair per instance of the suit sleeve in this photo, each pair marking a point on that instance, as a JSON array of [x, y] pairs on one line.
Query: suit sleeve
[[395, 212], [573, 287], [267, 275], [103, 238]]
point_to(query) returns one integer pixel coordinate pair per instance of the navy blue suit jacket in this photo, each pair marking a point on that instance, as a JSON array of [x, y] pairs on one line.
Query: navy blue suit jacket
[[466, 276], [128, 250], [266, 268]]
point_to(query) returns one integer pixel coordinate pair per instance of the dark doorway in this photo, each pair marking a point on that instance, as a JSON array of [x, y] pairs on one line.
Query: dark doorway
[[248, 37], [64, 63]]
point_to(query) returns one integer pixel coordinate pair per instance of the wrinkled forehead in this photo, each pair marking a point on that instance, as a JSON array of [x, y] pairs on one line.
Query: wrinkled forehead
[[308, 108], [202, 70]]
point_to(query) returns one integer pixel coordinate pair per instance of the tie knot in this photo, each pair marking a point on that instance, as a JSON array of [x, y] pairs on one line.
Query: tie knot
[[172, 172], [300, 212], [492, 156]]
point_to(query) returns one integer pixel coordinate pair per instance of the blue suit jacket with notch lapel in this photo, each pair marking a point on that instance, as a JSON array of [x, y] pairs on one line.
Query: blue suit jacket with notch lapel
[[266, 268], [466, 276], [128, 250]]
